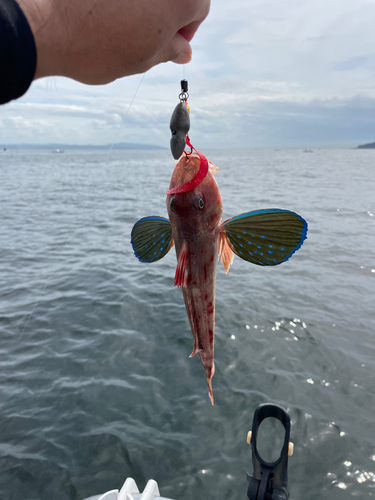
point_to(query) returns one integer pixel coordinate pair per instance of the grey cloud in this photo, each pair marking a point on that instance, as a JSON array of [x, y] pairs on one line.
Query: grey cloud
[[353, 63]]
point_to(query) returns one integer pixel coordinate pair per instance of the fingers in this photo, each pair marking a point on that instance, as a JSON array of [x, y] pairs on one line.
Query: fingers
[[189, 31], [196, 12], [180, 50]]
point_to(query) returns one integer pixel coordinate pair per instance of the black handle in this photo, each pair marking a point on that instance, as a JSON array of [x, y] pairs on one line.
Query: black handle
[[269, 480]]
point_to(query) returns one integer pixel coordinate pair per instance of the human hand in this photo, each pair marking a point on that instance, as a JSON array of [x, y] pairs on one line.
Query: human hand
[[98, 41]]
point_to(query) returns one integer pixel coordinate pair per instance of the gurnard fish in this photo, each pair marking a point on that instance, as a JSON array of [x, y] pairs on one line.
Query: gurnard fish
[[265, 237]]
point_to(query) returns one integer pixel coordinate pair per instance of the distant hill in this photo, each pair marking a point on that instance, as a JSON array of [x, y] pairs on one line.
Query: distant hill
[[371, 145], [119, 145]]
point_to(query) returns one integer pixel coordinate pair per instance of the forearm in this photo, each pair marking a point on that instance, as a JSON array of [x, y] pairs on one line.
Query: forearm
[[44, 20]]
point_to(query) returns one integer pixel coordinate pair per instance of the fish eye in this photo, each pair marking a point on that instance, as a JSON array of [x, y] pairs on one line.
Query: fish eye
[[200, 203]]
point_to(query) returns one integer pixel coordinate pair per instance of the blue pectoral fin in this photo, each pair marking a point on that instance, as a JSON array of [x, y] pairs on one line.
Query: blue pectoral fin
[[266, 237], [151, 238]]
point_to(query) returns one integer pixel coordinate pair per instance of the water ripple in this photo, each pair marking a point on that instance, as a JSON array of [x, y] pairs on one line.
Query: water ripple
[[96, 380]]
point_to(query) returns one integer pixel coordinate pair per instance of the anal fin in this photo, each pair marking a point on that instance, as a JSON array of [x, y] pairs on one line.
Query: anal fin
[[182, 270], [195, 349]]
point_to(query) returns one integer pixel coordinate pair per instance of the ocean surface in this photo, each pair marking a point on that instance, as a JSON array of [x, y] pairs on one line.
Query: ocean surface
[[96, 383]]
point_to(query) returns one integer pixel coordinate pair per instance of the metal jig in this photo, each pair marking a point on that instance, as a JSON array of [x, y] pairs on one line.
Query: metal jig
[[180, 123]]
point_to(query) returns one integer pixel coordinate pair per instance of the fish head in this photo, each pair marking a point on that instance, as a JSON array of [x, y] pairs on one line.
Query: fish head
[[200, 209]]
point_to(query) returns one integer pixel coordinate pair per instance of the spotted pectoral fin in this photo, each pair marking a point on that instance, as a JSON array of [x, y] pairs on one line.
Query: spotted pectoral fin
[[182, 269], [225, 252], [266, 237], [151, 238]]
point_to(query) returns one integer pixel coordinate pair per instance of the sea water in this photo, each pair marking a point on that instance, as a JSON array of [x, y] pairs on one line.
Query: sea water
[[96, 383]]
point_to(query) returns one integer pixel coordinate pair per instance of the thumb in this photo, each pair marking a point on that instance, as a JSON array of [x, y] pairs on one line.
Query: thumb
[[180, 50]]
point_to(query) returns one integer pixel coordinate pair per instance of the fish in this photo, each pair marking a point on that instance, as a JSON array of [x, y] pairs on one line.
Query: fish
[[265, 237]]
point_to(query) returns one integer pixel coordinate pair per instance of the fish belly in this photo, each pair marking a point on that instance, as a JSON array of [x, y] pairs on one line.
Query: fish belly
[[199, 296]]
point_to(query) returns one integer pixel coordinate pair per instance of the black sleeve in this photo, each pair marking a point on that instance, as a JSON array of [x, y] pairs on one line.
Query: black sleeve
[[17, 52]]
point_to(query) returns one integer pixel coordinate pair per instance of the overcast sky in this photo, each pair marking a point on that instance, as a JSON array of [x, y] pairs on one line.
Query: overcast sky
[[296, 73]]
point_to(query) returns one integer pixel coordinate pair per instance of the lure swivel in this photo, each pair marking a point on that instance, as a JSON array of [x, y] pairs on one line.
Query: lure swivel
[[184, 91], [180, 123], [269, 480]]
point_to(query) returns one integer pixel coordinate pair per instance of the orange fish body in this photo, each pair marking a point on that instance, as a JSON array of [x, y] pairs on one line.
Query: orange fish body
[[195, 216], [264, 237]]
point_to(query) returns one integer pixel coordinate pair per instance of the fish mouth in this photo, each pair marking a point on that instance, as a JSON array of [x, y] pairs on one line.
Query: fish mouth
[[200, 167]]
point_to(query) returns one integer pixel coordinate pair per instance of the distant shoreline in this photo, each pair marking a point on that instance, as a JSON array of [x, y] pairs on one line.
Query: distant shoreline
[[62, 147], [370, 145]]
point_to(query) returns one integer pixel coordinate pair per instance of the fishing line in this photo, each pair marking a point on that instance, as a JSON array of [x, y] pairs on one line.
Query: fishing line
[[81, 227], [122, 122]]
